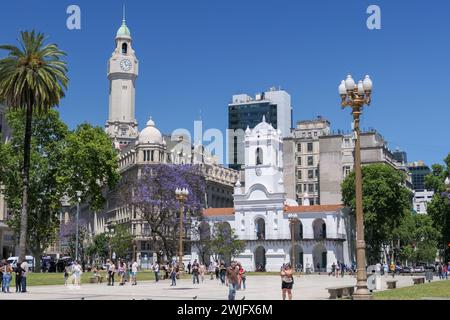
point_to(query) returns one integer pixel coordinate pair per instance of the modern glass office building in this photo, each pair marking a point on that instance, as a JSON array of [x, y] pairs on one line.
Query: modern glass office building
[[245, 111]]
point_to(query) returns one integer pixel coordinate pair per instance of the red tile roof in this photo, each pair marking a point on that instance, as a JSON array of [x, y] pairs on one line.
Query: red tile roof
[[211, 212], [315, 208]]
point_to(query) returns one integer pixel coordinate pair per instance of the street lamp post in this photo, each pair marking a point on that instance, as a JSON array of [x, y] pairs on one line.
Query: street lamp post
[[356, 96], [292, 218], [447, 194], [77, 221], [181, 195]]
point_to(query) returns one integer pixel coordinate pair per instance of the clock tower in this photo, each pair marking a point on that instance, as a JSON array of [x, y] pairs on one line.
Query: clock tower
[[122, 73]]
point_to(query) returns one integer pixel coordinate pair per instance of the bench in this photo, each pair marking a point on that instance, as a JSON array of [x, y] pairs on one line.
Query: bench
[[391, 284], [339, 292], [96, 279], [418, 280]]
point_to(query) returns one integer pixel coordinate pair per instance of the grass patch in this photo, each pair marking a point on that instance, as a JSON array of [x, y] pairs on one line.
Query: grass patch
[[48, 279], [438, 289]]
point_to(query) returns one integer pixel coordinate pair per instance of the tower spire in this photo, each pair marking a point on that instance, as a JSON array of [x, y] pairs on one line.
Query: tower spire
[[123, 19]]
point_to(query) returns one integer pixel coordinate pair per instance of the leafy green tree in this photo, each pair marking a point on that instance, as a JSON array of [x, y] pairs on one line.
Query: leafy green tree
[[46, 187], [91, 165], [121, 240], [385, 202], [418, 238], [225, 243], [32, 78], [99, 248], [439, 207]]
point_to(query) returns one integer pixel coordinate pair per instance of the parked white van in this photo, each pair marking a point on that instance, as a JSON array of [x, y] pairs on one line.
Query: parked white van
[[13, 261]]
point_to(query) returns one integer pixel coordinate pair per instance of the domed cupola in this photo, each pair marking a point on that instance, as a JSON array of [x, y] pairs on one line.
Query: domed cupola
[[150, 134]]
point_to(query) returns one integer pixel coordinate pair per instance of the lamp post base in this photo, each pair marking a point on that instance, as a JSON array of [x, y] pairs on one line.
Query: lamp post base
[[362, 294]]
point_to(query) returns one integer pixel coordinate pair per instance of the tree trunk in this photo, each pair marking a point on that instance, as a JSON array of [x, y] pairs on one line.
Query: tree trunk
[[37, 254], [26, 182]]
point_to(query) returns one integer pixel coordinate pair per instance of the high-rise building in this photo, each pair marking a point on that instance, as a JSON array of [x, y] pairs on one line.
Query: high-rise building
[[301, 160], [422, 196], [418, 171], [123, 68], [246, 112], [400, 156], [337, 161]]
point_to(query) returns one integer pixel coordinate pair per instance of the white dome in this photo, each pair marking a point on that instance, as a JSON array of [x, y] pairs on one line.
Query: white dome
[[150, 134]]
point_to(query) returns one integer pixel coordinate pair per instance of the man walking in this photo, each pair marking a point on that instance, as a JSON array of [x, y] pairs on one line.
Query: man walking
[[232, 281], [134, 270], [189, 267], [26, 268], [156, 270], [195, 272]]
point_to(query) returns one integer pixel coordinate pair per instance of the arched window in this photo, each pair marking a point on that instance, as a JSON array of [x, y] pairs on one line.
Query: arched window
[[124, 48], [145, 155], [259, 156]]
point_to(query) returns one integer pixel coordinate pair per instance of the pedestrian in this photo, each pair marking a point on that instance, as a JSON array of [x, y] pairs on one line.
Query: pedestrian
[[26, 267], [195, 272], [155, 268], [243, 276], [202, 272], [7, 271], [66, 275], [211, 270], [121, 270], [287, 281], [445, 272], [173, 275], [342, 269], [239, 276], [333, 269], [2, 263], [232, 280], [18, 271], [189, 267], [111, 272], [134, 271], [222, 271], [76, 270], [338, 268], [216, 269], [392, 268]]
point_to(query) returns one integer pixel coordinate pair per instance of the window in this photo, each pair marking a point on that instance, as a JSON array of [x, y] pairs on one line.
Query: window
[[299, 161], [346, 171], [317, 186], [259, 156], [124, 48], [310, 161], [299, 188], [310, 174], [315, 133], [310, 147], [299, 147], [310, 187], [309, 135], [347, 143], [145, 155], [152, 156], [311, 201], [299, 174]]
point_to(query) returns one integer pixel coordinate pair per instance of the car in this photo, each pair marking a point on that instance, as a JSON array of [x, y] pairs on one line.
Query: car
[[406, 270], [418, 269], [13, 261]]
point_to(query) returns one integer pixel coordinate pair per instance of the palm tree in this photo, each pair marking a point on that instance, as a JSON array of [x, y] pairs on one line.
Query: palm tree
[[32, 78]]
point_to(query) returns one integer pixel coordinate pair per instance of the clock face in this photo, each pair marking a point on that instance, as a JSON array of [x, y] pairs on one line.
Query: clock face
[[126, 65], [258, 172]]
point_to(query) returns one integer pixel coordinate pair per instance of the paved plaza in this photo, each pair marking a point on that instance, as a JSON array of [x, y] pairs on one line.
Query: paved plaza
[[307, 287]]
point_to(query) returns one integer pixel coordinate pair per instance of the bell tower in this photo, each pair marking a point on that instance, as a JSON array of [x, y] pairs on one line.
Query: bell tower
[[123, 68]]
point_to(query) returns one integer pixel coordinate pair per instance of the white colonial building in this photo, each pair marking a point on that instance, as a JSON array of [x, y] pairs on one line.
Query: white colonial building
[[262, 215]]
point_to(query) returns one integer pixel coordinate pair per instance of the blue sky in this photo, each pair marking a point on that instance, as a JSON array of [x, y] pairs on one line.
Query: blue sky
[[194, 55]]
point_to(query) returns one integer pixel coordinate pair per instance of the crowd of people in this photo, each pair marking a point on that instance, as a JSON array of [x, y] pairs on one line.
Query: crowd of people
[[19, 270]]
